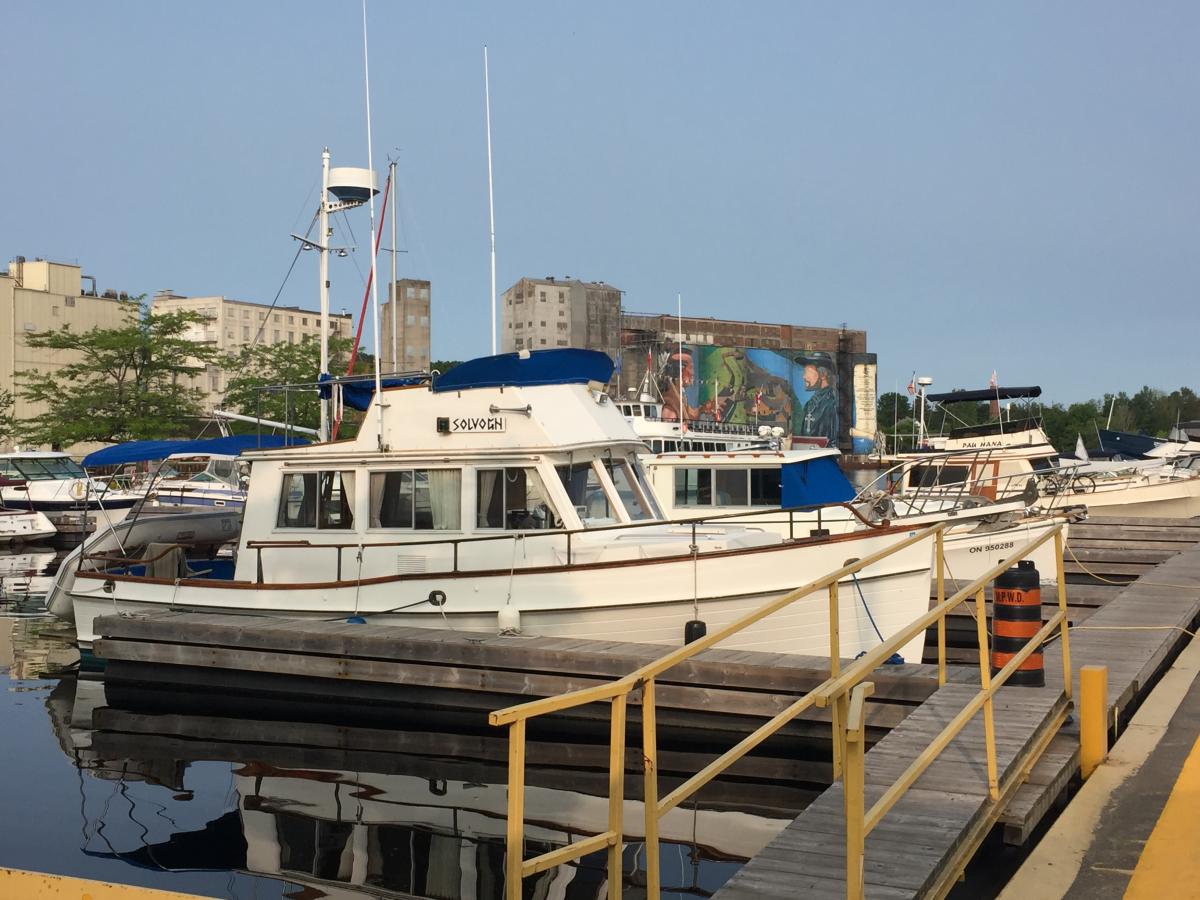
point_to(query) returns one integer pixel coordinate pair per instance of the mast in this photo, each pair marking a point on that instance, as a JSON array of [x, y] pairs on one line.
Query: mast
[[682, 402], [323, 274], [395, 310], [374, 255], [487, 101]]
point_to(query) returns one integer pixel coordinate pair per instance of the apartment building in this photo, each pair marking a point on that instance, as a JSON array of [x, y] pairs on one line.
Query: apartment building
[[235, 324], [38, 296], [540, 313], [409, 297]]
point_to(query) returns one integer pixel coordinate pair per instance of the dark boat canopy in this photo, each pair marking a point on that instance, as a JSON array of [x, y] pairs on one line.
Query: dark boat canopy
[[999, 393], [565, 365], [145, 451]]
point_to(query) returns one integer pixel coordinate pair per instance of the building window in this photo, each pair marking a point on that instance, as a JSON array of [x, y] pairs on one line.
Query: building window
[[562, 343], [422, 499], [543, 323], [425, 321], [275, 318], [54, 311], [275, 336], [70, 301], [424, 293], [543, 342], [304, 320], [520, 343], [245, 332], [291, 337], [562, 312], [410, 320]]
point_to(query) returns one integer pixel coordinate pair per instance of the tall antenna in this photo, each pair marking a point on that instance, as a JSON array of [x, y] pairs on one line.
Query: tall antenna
[[487, 101], [374, 255]]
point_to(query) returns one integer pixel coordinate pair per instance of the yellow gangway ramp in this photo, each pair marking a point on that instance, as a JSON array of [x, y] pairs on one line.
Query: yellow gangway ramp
[[41, 886]]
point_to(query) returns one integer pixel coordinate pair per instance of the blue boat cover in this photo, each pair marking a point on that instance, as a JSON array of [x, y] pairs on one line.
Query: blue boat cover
[[143, 451], [358, 394], [562, 365], [814, 482]]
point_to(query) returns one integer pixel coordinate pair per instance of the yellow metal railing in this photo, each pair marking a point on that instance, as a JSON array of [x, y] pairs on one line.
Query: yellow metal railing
[[844, 691]]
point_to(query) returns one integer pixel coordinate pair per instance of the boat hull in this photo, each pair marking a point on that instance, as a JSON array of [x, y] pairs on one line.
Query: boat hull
[[645, 601], [1166, 499]]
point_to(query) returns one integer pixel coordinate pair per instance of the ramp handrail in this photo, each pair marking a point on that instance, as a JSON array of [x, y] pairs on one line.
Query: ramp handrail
[[845, 691]]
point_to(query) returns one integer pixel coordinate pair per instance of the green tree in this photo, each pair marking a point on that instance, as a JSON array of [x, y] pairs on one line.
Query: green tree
[[444, 365], [8, 421], [273, 365], [891, 408], [128, 383]]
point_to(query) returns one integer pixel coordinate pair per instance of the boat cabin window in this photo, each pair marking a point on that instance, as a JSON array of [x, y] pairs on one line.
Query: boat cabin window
[[421, 499], [728, 487], [513, 498], [1044, 463], [693, 487], [628, 490], [317, 500], [656, 446], [932, 476], [587, 494]]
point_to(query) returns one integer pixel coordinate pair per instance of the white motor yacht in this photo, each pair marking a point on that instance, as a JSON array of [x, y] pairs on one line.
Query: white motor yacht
[[54, 484], [509, 493]]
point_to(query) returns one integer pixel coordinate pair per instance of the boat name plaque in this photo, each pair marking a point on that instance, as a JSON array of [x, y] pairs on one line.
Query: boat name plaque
[[471, 424]]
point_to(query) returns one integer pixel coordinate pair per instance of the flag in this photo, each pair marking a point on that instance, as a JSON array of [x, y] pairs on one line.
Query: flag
[[992, 383], [912, 385]]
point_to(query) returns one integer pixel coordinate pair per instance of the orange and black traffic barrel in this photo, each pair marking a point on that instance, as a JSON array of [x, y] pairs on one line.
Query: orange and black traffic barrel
[[1017, 617]]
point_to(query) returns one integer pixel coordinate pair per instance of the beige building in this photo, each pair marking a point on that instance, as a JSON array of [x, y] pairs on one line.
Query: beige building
[[411, 297], [235, 324], [39, 296], [540, 313]]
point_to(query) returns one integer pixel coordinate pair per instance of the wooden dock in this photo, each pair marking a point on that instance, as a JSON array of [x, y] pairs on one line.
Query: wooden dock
[[925, 842], [719, 691]]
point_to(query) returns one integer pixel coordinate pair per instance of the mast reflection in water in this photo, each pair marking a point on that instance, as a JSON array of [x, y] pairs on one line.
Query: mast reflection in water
[[256, 798]]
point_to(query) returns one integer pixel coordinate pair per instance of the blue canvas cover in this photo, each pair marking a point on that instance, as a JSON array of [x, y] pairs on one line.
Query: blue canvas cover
[[815, 482], [145, 451], [358, 394], [562, 365]]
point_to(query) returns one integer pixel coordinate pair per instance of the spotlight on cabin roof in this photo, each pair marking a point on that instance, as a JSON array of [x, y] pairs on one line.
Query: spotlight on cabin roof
[[353, 185]]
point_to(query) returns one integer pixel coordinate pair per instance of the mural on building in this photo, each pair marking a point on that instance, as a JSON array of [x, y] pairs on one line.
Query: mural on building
[[795, 390]]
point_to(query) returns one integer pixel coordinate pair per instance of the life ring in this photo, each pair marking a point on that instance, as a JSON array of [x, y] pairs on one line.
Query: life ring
[[78, 490]]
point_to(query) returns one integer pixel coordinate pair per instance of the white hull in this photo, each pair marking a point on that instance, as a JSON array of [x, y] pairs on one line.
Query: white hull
[[647, 601], [20, 527], [1168, 499]]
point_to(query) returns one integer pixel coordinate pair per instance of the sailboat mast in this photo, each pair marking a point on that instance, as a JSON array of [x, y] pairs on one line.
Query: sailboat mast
[[682, 402], [374, 255], [487, 103], [323, 274], [395, 309]]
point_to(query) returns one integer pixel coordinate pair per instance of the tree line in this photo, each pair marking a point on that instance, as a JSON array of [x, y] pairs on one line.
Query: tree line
[[1149, 411]]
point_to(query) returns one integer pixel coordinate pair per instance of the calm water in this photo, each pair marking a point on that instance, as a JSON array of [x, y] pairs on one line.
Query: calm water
[[241, 797]]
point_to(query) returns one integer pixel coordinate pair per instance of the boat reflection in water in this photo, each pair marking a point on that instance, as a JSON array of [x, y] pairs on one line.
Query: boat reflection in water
[[391, 803]]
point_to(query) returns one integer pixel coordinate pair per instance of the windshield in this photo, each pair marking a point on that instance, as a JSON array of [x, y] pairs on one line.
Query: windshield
[[49, 468], [629, 490], [587, 494]]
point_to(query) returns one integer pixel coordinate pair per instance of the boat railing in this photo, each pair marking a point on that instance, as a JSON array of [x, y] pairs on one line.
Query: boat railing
[[845, 693], [803, 523]]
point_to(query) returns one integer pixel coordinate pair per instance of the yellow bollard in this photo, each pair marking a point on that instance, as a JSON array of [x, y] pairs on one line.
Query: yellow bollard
[[1093, 717]]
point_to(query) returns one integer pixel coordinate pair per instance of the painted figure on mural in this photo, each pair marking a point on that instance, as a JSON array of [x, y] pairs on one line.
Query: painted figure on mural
[[677, 376], [818, 417]]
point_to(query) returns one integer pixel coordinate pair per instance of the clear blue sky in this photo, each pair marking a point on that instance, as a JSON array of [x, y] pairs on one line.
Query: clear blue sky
[[1010, 186]]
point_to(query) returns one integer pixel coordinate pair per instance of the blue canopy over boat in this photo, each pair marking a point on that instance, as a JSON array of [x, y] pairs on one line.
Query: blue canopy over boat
[[143, 451], [814, 482], [561, 365], [358, 394]]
